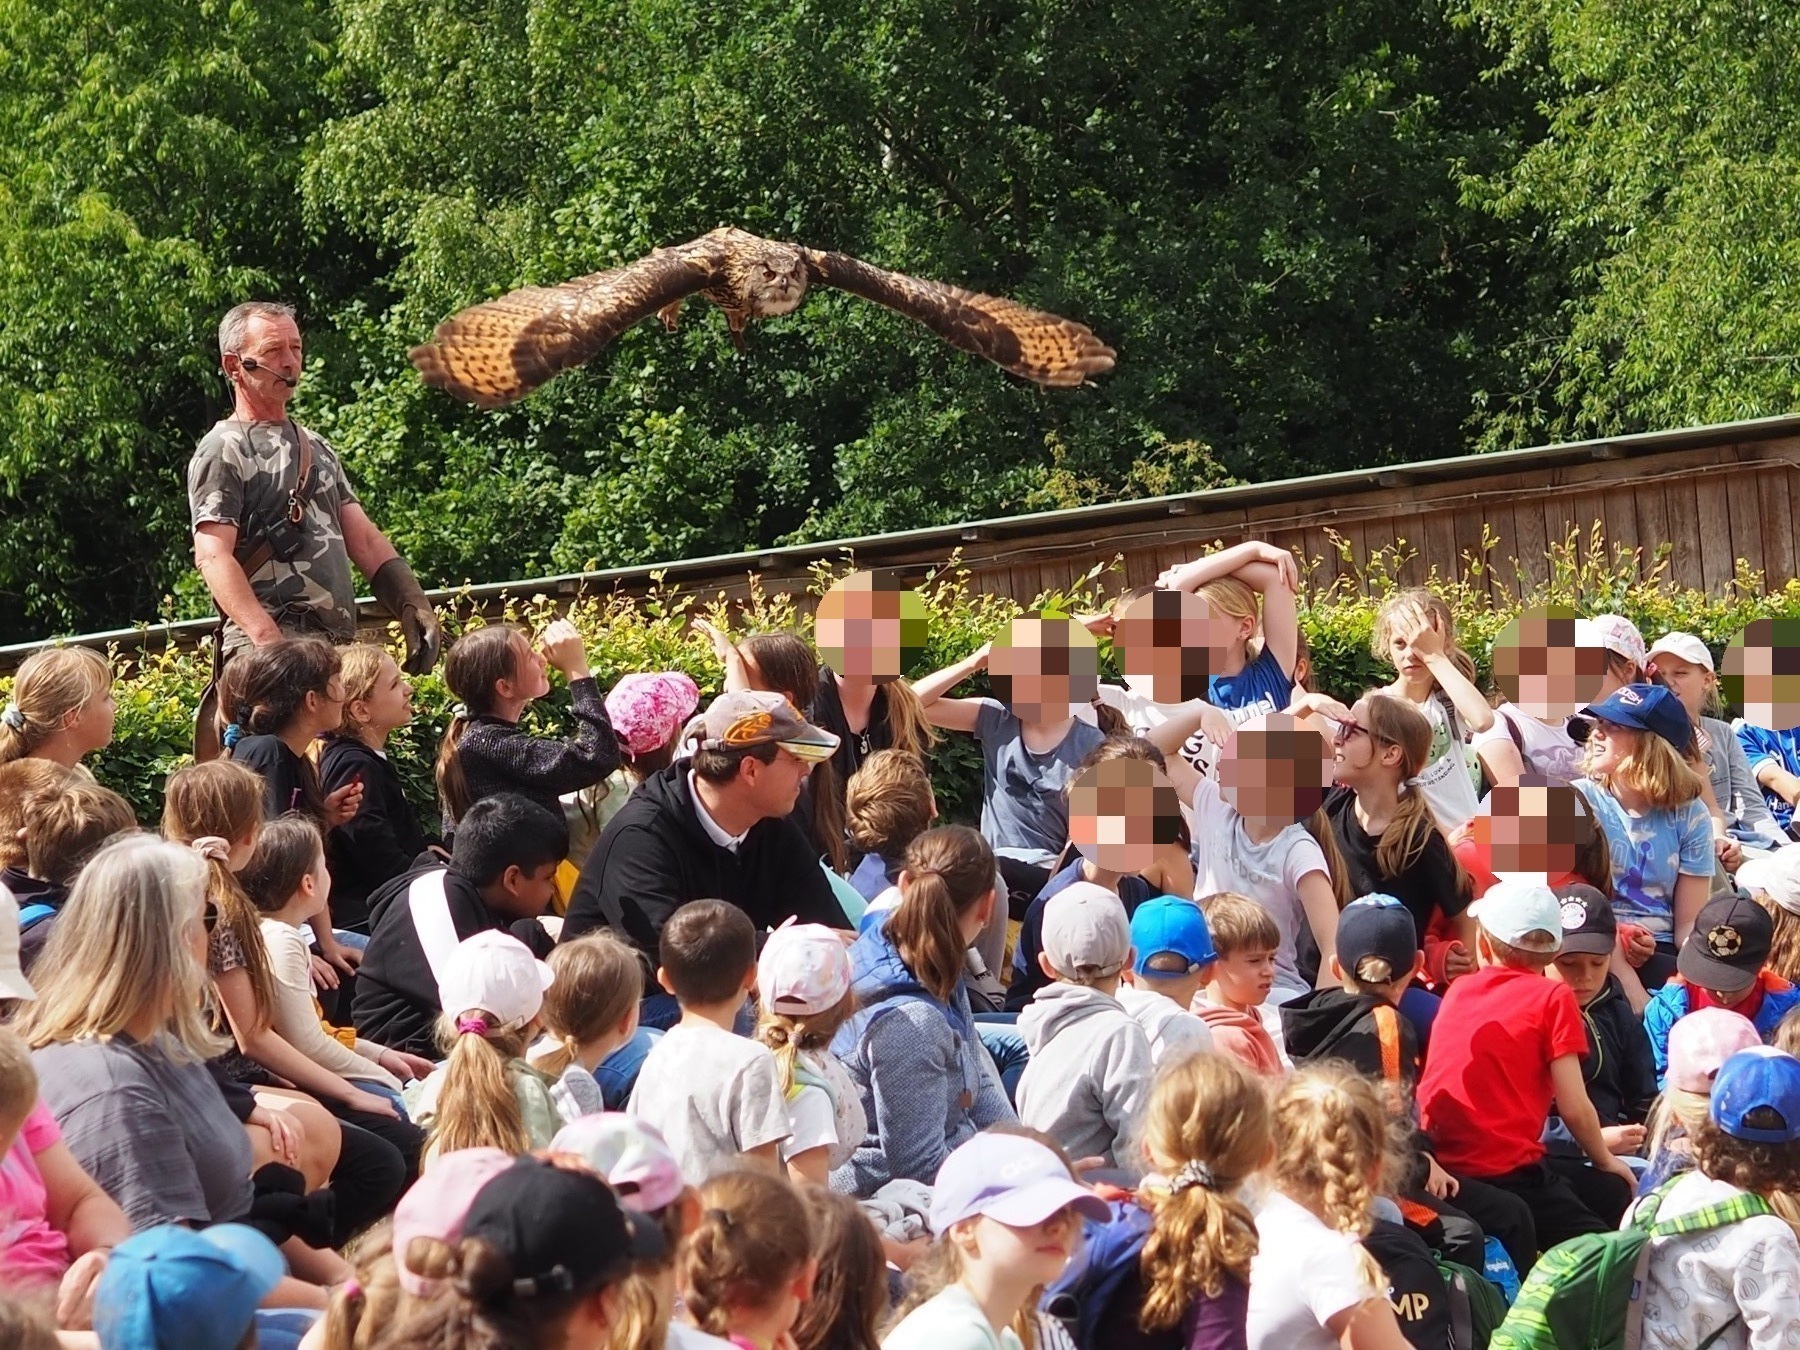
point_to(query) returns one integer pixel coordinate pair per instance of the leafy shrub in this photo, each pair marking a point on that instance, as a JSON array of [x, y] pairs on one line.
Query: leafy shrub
[[158, 693]]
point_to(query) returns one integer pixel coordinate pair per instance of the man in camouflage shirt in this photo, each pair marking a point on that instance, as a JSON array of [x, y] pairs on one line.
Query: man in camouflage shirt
[[275, 550]]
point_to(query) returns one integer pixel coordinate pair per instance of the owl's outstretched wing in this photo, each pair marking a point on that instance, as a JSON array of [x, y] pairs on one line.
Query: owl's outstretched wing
[[1042, 347], [494, 353]]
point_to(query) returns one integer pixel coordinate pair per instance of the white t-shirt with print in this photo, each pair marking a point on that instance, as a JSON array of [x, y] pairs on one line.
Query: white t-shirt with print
[[1700, 1282], [1548, 750], [1451, 771], [1303, 1274], [713, 1095]]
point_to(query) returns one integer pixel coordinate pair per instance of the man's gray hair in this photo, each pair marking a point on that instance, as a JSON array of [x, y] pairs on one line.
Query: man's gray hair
[[237, 319]]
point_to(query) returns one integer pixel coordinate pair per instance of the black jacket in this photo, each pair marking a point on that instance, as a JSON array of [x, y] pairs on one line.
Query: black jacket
[[383, 841], [1620, 1073], [1336, 1024], [655, 856], [396, 1001], [285, 775], [28, 891], [498, 756]]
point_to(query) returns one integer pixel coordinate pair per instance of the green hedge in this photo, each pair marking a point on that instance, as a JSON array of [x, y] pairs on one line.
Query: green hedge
[[157, 697]]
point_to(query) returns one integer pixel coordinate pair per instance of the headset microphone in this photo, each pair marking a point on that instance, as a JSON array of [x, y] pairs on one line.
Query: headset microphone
[[251, 363]]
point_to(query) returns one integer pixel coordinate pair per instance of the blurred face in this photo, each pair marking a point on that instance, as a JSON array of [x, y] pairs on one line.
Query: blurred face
[[1040, 1251], [1246, 977], [389, 704], [1762, 673], [774, 787], [1583, 972], [1042, 665], [1610, 745], [91, 727], [1121, 812], [1165, 643], [1275, 771], [1533, 829], [870, 629], [1688, 681], [1539, 666]]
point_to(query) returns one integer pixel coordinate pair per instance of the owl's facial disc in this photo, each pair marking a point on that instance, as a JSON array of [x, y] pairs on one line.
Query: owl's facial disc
[[777, 281]]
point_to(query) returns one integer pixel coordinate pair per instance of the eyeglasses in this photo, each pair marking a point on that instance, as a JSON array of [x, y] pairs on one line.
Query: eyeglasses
[[1343, 732]]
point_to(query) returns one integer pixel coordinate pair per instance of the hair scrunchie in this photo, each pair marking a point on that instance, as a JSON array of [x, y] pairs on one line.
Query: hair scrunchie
[[14, 717], [212, 847], [1194, 1173], [475, 1025], [232, 735], [460, 710]]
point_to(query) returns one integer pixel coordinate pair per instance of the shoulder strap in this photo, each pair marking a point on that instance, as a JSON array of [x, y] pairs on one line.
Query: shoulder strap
[[34, 914], [1512, 729], [1387, 1032], [430, 907], [1734, 1210]]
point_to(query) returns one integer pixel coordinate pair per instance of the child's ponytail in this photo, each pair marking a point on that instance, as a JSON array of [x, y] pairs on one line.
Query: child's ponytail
[[946, 872], [599, 980], [478, 1107], [1208, 1130], [1331, 1129], [476, 662], [753, 1238], [1394, 721]]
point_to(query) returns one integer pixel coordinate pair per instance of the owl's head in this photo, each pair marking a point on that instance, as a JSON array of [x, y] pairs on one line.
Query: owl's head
[[773, 280]]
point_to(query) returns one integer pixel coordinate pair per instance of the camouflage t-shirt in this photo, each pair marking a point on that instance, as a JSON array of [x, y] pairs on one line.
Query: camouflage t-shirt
[[241, 474]]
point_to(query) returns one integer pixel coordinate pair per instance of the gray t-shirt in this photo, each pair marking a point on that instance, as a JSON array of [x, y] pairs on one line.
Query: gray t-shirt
[[242, 474], [156, 1134], [1023, 805], [713, 1095]]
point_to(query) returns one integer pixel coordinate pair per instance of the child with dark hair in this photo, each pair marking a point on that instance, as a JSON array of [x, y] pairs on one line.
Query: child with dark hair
[[280, 699], [849, 1294], [716, 1096], [502, 874]]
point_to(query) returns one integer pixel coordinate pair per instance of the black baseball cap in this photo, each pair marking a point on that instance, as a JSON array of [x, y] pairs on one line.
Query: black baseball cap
[[1588, 923], [1377, 925], [561, 1228], [1730, 942]]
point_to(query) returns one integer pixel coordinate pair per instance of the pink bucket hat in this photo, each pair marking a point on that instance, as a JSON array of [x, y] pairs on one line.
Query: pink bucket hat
[[1700, 1042], [804, 969], [630, 1154], [647, 709], [438, 1204]]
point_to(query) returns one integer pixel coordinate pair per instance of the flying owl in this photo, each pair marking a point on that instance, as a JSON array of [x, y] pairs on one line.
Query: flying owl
[[494, 353]]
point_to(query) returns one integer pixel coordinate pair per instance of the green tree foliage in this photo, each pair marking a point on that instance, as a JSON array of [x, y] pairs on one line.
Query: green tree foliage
[[1258, 205]]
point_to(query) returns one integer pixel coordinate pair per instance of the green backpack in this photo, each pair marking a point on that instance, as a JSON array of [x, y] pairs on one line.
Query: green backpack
[[1476, 1307], [1587, 1293]]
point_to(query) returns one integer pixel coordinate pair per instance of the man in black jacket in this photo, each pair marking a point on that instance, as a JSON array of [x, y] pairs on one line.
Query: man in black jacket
[[502, 874], [714, 828]]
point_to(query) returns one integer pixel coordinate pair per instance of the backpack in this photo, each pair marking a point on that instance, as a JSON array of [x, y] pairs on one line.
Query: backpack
[[1109, 1255], [1416, 1288], [1477, 1307], [1587, 1293]]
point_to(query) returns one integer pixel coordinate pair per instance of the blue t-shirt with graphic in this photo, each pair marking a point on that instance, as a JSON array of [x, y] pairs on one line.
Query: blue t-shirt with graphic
[[1783, 747], [1260, 687], [1649, 852]]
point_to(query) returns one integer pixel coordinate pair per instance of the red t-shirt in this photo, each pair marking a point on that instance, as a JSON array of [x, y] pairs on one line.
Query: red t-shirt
[[1486, 1092]]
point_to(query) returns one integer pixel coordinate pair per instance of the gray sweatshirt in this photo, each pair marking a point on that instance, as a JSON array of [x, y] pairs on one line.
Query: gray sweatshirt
[[1090, 1072]]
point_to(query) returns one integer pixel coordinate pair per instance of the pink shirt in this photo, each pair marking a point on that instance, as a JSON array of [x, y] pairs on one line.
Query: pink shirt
[[30, 1249]]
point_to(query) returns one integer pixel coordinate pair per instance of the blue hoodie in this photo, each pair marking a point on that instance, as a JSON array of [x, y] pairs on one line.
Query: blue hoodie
[[926, 1080], [1671, 1003]]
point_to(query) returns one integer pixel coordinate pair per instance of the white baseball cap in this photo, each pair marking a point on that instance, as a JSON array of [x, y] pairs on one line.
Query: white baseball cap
[[1512, 909], [1776, 876], [804, 969], [1086, 931], [13, 983], [495, 972], [1685, 646]]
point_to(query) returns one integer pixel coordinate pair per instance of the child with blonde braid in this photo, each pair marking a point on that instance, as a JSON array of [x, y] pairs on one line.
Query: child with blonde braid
[[803, 985], [1312, 1286], [748, 1266], [590, 1011], [485, 1095]]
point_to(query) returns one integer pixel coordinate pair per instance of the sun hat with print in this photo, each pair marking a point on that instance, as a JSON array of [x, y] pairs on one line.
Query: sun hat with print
[[1756, 1096], [437, 1205], [747, 718], [13, 983], [646, 708], [196, 1289], [1511, 911], [1619, 634], [1169, 925], [1589, 926], [1085, 931], [804, 969], [496, 973], [1646, 707], [1009, 1179], [1682, 646], [1776, 875], [630, 1153], [561, 1229], [1703, 1040], [1730, 941]]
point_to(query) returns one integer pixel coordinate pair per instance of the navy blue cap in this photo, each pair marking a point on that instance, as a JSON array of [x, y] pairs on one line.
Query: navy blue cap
[[1647, 707], [1377, 925], [1756, 1096]]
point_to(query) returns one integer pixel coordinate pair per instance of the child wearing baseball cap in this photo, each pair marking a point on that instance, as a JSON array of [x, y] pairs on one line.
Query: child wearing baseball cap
[[1734, 1262], [1174, 960], [1007, 1217], [1090, 1070], [198, 1289], [485, 1094], [1507, 1044], [803, 989], [1721, 965]]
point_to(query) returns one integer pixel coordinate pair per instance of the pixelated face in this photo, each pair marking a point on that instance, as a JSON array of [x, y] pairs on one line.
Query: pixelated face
[[1762, 673], [1165, 641], [1539, 665], [1275, 770], [1042, 665], [871, 628], [1535, 829], [1120, 812]]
